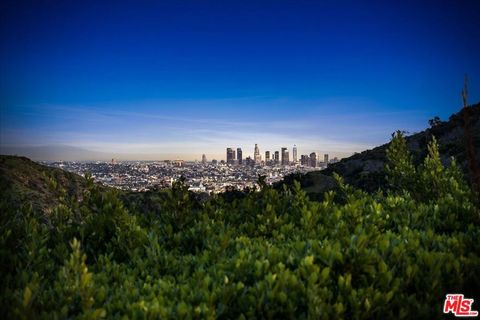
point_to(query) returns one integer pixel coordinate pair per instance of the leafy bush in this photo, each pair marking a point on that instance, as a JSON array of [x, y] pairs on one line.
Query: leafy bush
[[265, 254]]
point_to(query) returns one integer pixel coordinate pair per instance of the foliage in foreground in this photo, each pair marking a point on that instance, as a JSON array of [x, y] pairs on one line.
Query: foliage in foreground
[[267, 254]]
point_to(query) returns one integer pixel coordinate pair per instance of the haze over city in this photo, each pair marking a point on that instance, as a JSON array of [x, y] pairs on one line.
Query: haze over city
[[169, 80]]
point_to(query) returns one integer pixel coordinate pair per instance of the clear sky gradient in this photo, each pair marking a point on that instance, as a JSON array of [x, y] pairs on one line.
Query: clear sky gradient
[[175, 79]]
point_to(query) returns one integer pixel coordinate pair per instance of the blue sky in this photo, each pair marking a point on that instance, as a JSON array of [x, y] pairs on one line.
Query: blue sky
[[164, 79]]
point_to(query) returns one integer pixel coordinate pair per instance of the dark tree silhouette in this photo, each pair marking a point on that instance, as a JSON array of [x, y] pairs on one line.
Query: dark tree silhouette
[[435, 121]]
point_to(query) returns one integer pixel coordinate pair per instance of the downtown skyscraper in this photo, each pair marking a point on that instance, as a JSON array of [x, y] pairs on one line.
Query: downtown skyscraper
[[256, 155], [239, 156], [230, 156], [285, 157], [313, 159], [276, 157]]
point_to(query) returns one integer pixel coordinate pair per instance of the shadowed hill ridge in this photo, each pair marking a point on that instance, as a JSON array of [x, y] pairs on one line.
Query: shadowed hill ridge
[[23, 181], [365, 170]]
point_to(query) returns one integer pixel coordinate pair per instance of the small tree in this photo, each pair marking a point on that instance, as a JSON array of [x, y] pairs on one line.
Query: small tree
[[435, 121], [431, 173], [428, 181], [399, 169], [76, 287]]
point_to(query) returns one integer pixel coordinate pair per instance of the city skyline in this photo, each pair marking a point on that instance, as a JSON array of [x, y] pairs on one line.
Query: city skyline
[[237, 158], [205, 176], [50, 153], [209, 137], [178, 80]]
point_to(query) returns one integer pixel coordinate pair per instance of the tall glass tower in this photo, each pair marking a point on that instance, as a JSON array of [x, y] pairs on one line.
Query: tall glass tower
[[256, 154], [239, 155], [230, 156], [285, 157]]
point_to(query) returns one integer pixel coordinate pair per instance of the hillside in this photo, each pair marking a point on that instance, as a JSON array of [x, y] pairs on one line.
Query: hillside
[[24, 181], [265, 255], [365, 170]]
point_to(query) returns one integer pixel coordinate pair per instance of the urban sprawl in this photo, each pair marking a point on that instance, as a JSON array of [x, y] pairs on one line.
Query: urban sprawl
[[206, 176]]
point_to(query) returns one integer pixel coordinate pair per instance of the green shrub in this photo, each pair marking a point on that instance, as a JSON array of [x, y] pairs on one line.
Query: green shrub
[[266, 254]]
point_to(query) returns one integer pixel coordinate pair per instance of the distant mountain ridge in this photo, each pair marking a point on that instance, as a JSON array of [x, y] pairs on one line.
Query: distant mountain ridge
[[72, 153], [365, 170]]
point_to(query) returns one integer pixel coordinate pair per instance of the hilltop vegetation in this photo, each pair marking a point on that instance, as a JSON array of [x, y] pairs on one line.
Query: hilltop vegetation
[[267, 254], [365, 170], [24, 181]]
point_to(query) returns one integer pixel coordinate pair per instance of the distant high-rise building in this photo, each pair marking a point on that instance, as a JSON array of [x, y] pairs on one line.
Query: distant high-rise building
[[256, 154], [178, 163], [276, 157], [214, 162], [313, 160], [267, 156], [204, 159], [325, 158], [239, 156], [285, 157], [249, 161], [230, 156], [294, 153], [305, 160]]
